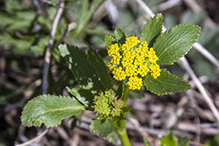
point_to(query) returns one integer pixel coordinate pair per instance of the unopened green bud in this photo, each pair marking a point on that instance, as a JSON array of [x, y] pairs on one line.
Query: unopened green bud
[[107, 105]]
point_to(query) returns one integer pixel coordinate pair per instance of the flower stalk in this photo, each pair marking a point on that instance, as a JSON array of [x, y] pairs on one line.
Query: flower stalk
[[123, 134], [120, 127]]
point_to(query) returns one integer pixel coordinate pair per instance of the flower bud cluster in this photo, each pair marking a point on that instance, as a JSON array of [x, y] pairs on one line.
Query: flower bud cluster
[[107, 105]]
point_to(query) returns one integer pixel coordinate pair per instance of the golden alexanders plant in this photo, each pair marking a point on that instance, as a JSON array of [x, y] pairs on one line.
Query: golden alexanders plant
[[134, 64]]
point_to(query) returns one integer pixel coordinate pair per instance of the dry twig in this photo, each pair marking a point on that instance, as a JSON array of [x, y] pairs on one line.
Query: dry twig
[[33, 140], [49, 47]]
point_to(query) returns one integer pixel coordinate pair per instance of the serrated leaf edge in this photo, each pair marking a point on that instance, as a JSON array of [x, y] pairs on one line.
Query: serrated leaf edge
[[119, 29], [166, 92], [147, 23], [99, 129], [109, 37], [35, 98], [167, 31]]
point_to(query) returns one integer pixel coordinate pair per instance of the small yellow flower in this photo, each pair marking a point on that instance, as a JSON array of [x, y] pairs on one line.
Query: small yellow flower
[[132, 62], [132, 41], [119, 74], [152, 56], [155, 70], [115, 60], [113, 49], [135, 83], [130, 70], [143, 69]]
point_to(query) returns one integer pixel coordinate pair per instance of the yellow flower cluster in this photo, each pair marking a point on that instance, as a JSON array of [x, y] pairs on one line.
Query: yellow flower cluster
[[132, 62]]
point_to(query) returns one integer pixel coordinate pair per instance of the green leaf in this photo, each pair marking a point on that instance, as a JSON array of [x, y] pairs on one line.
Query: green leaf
[[100, 68], [166, 82], [86, 13], [176, 42], [169, 140], [39, 48], [145, 141], [125, 109], [12, 5], [152, 29], [21, 46], [120, 35], [109, 40], [82, 95], [119, 91], [86, 75], [113, 137], [183, 141], [214, 141], [50, 110], [19, 21], [103, 126]]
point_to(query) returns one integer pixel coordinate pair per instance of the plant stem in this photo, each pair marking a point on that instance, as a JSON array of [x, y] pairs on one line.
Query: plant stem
[[125, 95], [121, 128], [123, 134]]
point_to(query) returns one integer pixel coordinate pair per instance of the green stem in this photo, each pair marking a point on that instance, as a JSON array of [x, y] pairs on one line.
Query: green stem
[[120, 125], [123, 134], [125, 95]]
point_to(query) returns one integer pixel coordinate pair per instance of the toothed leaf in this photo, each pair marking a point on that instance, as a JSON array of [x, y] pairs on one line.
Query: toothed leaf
[[152, 29], [86, 73], [103, 126], [176, 42], [166, 82], [50, 110], [82, 95], [109, 40], [120, 35], [100, 68]]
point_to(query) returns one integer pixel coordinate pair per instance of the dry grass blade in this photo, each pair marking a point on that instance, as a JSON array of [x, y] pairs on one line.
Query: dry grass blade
[[184, 63], [49, 47], [33, 140]]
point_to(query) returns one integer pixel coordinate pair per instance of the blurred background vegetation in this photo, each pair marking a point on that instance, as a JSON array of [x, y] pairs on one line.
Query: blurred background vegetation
[[25, 27]]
